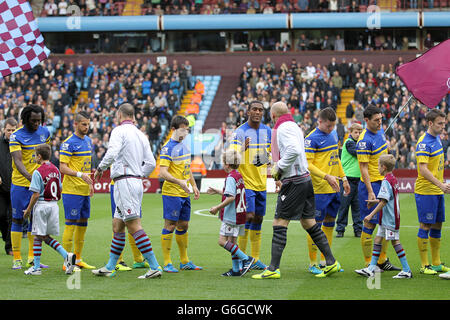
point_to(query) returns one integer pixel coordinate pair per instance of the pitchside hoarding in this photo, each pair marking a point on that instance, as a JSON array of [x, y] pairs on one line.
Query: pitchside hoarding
[[216, 179]]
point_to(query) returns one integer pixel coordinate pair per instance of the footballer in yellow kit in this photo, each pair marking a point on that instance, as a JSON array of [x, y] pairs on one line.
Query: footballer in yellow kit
[[253, 140], [322, 154], [175, 169], [22, 143], [75, 165], [429, 192]]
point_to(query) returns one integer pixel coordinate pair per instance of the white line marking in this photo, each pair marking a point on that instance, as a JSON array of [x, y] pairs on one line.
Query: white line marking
[[199, 213]]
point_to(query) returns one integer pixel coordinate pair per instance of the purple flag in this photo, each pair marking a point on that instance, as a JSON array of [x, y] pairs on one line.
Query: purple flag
[[428, 76]]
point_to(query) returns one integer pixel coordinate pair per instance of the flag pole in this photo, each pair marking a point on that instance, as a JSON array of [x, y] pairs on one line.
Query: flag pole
[[398, 113]]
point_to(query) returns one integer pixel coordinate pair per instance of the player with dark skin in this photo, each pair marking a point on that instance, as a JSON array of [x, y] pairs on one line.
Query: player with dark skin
[[255, 114], [33, 123]]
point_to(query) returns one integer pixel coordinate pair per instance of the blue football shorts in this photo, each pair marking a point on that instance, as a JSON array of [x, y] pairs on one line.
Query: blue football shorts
[[430, 208], [363, 195], [20, 198], [76, 207], [256, 201], [176, 208], [327, 204]]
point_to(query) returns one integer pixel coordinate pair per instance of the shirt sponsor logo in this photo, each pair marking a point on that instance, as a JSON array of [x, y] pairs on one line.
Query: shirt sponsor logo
[[307, 143]]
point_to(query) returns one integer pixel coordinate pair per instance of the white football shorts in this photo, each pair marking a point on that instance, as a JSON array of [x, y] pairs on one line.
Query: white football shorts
[[128, 195], [45, 218], [232, 230], [388, 234]]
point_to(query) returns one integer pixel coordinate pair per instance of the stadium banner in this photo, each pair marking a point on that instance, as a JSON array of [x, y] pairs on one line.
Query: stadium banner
[[102, 186]]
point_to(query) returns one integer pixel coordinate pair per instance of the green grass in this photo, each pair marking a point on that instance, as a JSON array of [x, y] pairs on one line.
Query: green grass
[[296, 283]]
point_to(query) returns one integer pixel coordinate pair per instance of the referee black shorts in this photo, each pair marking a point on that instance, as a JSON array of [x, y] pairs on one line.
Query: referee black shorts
[[296, 199]]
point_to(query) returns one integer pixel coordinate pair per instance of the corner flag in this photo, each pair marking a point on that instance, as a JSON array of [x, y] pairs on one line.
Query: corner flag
[[428, 76], [21, 43]]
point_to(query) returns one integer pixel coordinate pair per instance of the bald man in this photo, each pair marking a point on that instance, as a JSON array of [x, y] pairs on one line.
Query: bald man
[[130, 157], [295, 192]]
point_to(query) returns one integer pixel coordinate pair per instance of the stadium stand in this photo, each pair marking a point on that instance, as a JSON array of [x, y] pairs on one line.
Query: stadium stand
[[147, 7], [65, 88]]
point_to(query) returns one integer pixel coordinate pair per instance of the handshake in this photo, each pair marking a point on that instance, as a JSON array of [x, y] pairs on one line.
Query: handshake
[[261, 159]]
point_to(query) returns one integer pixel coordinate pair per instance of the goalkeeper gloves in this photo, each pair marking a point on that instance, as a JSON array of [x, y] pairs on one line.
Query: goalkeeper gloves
[[276, 172], [261, 159]]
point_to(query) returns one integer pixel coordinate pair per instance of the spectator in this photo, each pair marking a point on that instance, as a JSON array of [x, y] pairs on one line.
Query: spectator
[[333, 5], [339, 44], [303, 43], [325, 44], [302, 5], [62, 6], [51, 8], [154, 133], [428, 42]]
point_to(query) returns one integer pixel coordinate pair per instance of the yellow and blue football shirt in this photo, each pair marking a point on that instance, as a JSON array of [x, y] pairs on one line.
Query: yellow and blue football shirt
[[369, 148], [26, 141], [429, 150], [322, 151], [255, 178], [177, 157], [76, 152]]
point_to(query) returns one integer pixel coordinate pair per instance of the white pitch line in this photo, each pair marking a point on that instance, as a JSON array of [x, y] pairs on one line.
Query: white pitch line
[[199, 213]]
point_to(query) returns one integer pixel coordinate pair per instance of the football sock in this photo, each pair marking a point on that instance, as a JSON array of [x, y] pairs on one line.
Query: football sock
[[181, 236], [37, 250], [402, 256], [16, 240], [375, 256], [145, 247], [235, 251], [166, 245], [422, 243], [67, 239], [255, 240], [319, 238], [328, 228], [366, 244], [279, 239], [435, 245], [242, 240], [235, 263], [137, 255], [383, 256], [56, 245], [117, 245], [120, 259], [312, 250], [80, 231], [30, 245]]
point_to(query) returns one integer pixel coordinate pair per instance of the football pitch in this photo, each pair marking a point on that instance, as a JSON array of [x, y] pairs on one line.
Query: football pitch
[[296, 282]]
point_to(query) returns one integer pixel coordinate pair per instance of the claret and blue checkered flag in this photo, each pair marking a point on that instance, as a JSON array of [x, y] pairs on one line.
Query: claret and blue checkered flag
[[21, 43]]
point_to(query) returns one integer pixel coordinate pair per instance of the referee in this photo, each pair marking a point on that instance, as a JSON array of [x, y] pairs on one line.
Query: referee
[[296, 193], [5, 183]]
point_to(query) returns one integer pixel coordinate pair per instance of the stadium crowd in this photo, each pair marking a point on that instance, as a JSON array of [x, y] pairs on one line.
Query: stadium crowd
[[308, 88], [153, 89], [161, 7], [156, 90]]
